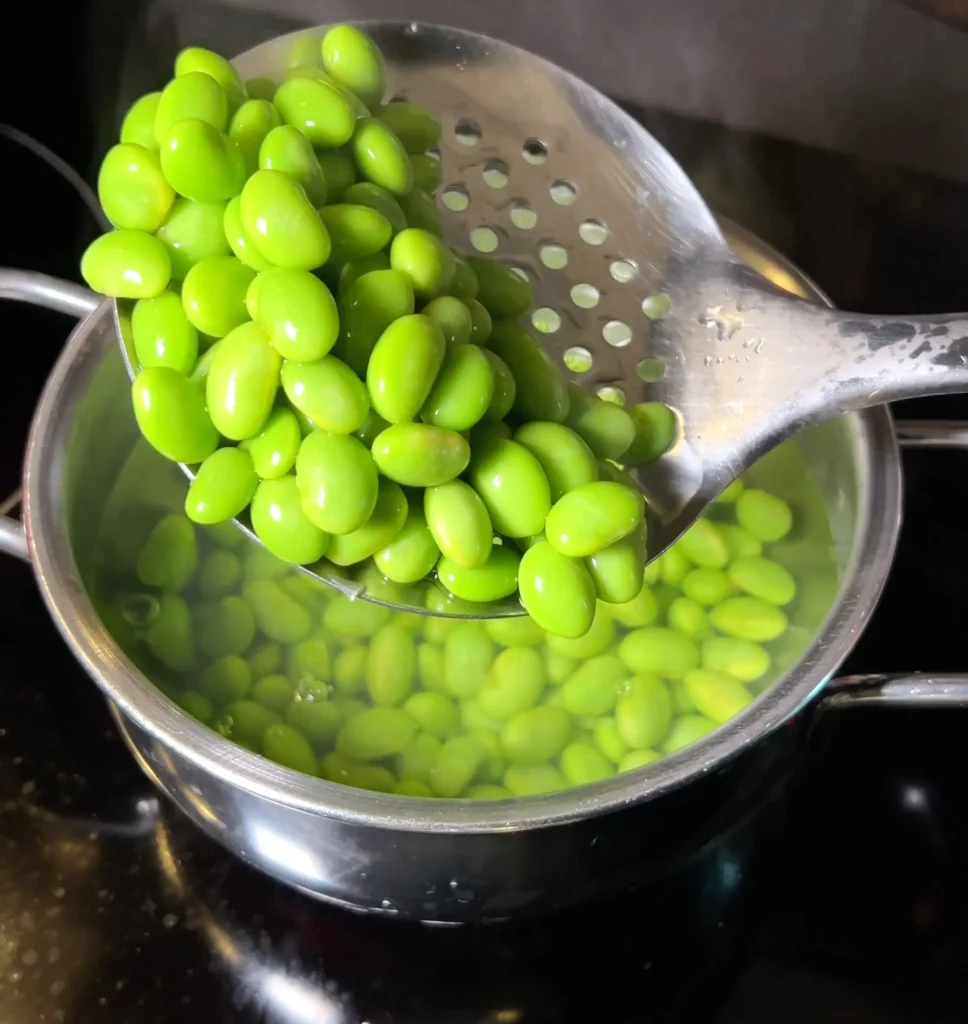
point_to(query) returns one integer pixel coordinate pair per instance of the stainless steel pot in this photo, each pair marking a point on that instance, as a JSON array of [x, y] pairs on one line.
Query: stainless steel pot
[[452, 861]]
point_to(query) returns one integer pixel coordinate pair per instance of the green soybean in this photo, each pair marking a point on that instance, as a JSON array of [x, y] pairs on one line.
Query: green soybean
[[644, 712], [427, 174], [281, 524], [319, 111], [376, 733], [420, 455], [536, 735], [403, 366], [226, 679], [541, 391], [749, 618], [126, 264], [138, 125], [465, 286], [350, 273], [503, 390], [520, 631], [260, 88], [381, 157], [534, 779], [354, 618], [686, 730], [355, 61], [328, 392], [196, 58], [609, 740], [193, 232], [337, 481], [274, 692], [605, 427], [740, 543], [582, 763], [556, 591], [703, 545], [274, 448], [317, 720], [391, 665], [592, 517], [251, 124], [637, 759], [716, 695], [284, 148], [459, 523], [675, 567], [765, 516], [370, 305], [219, 573], [496, 578], [162, 333], [365, 193], [565, 458], [356, 232], [468, 653], [425, 260], [456, 765], [195, 95], [599, 637], [337, 768], [223, 486], [171, 415], [417, 759], [593, 687], [201, 163], [282, 222], [349, 669], [169, 636], [386, 521], [618, 570], [481, 324], [689, 617], [213, 294], [434, 713], [656, 427], [277, 615], [242, 382], [169, 557], [284, 745], [661, 650], [741, 659], [706, 586], [763, 578], [310, 662], [559, 666], [421, 212], [513, 487], [502, 293], [196, 704], [462, 392], [413, 125], [339, 171], [430, 664], [642, 610], [412, 553], [131, 188]]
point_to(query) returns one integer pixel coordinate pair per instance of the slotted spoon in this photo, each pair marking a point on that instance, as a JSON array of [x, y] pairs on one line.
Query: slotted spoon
[[547, 174]]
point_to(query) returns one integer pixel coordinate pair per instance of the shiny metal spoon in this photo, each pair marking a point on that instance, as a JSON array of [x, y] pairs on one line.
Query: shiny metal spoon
[[549, 175]]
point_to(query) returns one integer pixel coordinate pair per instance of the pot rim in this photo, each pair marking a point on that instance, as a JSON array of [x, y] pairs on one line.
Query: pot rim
[[127, 687]]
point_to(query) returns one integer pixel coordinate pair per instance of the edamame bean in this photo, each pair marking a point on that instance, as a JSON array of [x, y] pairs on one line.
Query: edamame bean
[[741, 659], [566, 460], [286, 149], [520, 631], [637, 759], [162, 334], [593, 687], [247, 723], [740, 543], [309, 663], [386, 521], [541, 392], [412, 787], [318, 720], [534, 779], [281, 524], [413, 125], [488, 791], [349, 669], [500, 291], [319, 111], [462, 392], [765, 516], [749, 618], [403, 366], [642, 610], [763, 578], [274, 692], [606, 428], [592, 517], [581, 764], [196, 704], [481, 324], [464, 286], [282, 222], [356, 105], [675, 567], [355, 61], [420, 455], [715, 694], [350, 273], [226, 680], [328, 392], [194, 95], [421, 212], [260, 88], [656, 427], [337, 480], [376, 733], [213, 295], [274, 449], [277, 615], [194, 232], [666, 652], [391, 665], [337, 768], [434, 713], [618, 570], [339, 171], [131, 188], [556, 591], [731, 493], [515, 681], [686, 729], [609, 740], [513, 487], [126, 264], [425, 260], [416, 761], [368, 308], [365, 193], [453, 318], [284, 745], [426, 172], [706, 586], [356, 232], [560, 667], [703, 545], [169, 634], [496, 578], [223, 486], [412, 553], [201, 163], [138, 125], [354, 618], [643, 714], [689, 617], [224, 627], [597, 640], [459, 523], [381, 157], [250, 126], [220, 573], [536, 736], [171, 415], [503, 390], [242, 382], [430, 663], [468, 653], [457, 764], [196, 58]]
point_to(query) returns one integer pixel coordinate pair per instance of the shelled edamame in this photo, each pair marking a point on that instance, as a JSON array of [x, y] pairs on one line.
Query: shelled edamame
[[309, 344], [429, 707]]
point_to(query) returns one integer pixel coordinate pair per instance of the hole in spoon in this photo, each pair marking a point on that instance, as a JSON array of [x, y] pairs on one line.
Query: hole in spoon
[[455, 198], [484, 239], [578, 359], [546, 320], [593, 232], [495, 174], [523, 215], [611, 393], [564, 193], [534, 151], [617, 334], [585, 296], [553, 256], [467, 132], [650, 369]]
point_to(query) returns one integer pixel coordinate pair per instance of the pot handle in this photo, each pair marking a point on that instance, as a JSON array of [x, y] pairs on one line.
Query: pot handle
[[915, 690], [51, 293]]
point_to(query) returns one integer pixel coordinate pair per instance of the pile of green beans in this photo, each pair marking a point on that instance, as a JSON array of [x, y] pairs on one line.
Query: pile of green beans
[[427, 706], [312, 347]]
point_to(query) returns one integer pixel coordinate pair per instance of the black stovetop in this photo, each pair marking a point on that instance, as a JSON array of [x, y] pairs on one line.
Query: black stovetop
[[114, 909]]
